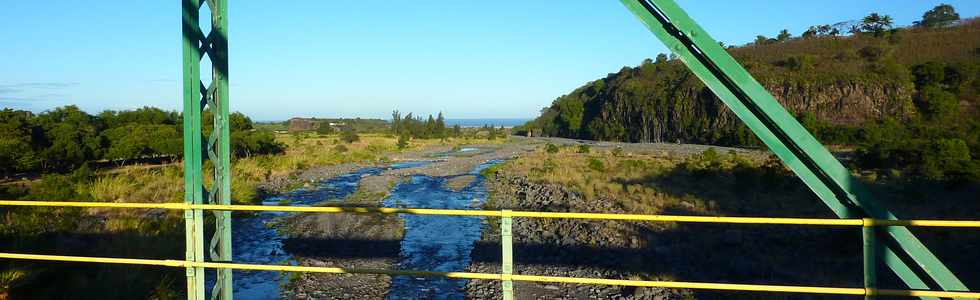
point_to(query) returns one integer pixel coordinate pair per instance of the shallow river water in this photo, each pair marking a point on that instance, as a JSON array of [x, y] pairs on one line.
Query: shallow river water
[[431, 243]]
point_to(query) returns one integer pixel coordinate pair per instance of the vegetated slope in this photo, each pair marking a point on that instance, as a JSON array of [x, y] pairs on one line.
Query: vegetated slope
[[841, 80]]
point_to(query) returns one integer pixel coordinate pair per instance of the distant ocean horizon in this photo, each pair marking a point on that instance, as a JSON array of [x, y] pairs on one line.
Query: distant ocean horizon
[[496, 122]]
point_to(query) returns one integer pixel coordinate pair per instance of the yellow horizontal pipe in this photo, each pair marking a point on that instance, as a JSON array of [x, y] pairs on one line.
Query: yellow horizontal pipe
[[94, 204], [689, 219], [490, 276], [495, 213], [104, 260]]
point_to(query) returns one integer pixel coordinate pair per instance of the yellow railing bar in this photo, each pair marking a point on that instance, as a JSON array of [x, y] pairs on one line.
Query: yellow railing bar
[[491, 276], [496, 213]]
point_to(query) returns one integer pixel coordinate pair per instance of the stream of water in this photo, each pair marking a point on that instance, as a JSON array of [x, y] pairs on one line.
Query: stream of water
[[436, 243], [427, 244]]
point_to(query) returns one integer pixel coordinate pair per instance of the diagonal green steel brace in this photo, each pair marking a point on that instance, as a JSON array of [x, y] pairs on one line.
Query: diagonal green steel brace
[[785, 137]]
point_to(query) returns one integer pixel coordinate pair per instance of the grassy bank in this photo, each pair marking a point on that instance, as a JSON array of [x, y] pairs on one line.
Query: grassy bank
[[143, 233]]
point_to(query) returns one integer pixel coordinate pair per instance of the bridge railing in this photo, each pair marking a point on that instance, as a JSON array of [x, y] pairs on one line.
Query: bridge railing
[[506, 277]]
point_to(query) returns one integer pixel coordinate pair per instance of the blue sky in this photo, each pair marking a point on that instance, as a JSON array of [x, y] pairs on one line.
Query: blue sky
[[469, 59]]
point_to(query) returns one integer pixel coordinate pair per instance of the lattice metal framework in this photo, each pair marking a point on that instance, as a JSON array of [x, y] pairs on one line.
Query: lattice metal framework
[[212, 99]]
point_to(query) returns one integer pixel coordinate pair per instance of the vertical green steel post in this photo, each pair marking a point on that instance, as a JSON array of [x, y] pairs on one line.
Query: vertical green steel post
[[507, 255], [219, 21], [870, 249], [784, 136], [193, 181]]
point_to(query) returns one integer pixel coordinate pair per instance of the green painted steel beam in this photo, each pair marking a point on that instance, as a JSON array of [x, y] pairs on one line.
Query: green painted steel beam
[[193, 180], [197, 97], [221, 141], [870, 251], [783, 134], [506, 254]]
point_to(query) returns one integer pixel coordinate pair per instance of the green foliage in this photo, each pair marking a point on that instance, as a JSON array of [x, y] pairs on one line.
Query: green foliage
[[491, 132], [617, 152], [937, 104], [19, 142], [457, 131], [72, 137], [800, 63], [239, 122], [873, 53], [583, 149], [820, 30], [926, 77], [827, 132], [596, 165], [547, 167], [348, 135], [929, 149], [340, 149], [491, 171], [415, 127], [135, 140], [249, 143], [876, 24], [66, 137], [324, 128], [570, 114], [403, 141], [551, 148], [928, 74], [947, 157], [783, 36], [940, 16]]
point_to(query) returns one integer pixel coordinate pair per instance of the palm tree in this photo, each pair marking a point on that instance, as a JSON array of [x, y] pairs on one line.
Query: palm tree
[[876, 24]]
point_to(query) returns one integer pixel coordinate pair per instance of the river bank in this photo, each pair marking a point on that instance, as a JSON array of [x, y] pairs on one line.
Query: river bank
[[376, 241], [373, 241]]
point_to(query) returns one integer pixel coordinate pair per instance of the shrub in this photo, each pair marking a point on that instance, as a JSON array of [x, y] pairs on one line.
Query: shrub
[[491, 171], [801, 62], [872, 53], [403, 141], [348, 135], [340, 148], [583, 149], [618, 152], [551, 148], [597, 165], [945, 157], [937, 104], [324, 128]]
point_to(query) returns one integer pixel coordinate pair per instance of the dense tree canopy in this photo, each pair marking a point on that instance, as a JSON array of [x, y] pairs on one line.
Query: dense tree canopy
[[66, 137], [414, 127], [939, 16]]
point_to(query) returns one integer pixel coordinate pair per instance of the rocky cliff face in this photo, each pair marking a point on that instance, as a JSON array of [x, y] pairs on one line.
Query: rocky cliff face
[[694, 114], [847, 103]]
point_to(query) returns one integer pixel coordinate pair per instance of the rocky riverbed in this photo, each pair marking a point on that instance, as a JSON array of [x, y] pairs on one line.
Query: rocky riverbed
[[558, 247], [754, 254], [369, 241], [345, 241], [573, 248]]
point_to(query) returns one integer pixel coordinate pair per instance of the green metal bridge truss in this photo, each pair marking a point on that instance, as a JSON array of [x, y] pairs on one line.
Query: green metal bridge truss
[[213, 98], [900, 250]]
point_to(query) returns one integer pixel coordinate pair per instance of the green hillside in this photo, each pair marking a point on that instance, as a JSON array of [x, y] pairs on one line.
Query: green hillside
[[891, 93]]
